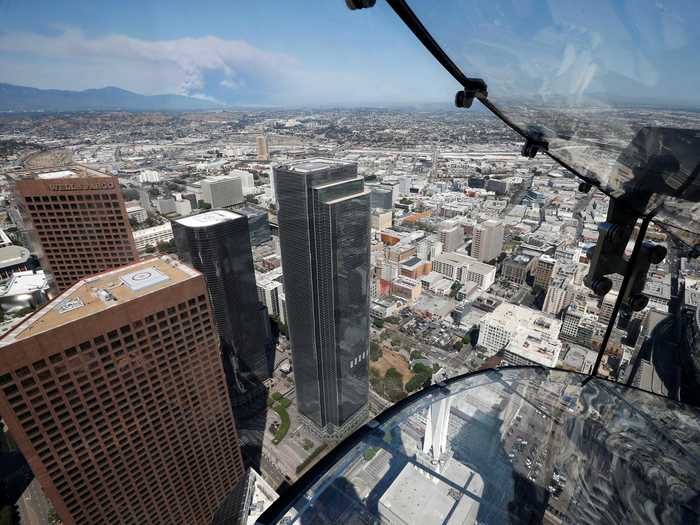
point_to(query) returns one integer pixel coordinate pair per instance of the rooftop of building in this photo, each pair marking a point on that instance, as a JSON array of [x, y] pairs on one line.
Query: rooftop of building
[[159, 228], [24, 282], [74, 171], [221, 178], [11, 255], [521, 258], [413, 262], [461, 259], [416, 496], [312, 165], [100, 292], [208, 218], [402, 280]]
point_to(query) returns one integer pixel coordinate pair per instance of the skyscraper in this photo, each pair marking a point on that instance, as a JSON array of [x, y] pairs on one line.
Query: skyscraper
[[116, 395], [217, 243], [77, 222], [487, 241], [324, 221], [263, 147]]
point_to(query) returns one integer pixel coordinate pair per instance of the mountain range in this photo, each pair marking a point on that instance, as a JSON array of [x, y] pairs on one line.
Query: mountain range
[[21, 98]]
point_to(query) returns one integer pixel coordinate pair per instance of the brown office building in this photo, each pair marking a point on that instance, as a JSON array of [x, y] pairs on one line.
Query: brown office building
[[76, 221], [115, 394]]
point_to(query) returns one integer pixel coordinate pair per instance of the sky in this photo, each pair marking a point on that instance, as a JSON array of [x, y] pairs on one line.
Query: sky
[[290, 52]]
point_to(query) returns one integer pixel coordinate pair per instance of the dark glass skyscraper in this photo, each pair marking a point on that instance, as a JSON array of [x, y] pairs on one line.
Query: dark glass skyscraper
[[217, 243], [324, 221]]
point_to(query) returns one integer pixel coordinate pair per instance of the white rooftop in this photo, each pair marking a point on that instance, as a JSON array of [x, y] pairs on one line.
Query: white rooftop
[[10, 255], [144, 278], [417, 496], [311, 165], [208, 218], [57, 174], [24, 282]]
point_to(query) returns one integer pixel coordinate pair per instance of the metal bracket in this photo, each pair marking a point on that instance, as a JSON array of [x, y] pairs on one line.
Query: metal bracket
[[474, 88], [359, 4], [534, 142]]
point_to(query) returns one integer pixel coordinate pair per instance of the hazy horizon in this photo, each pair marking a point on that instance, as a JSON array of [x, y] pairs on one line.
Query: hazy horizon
[[280, 54]]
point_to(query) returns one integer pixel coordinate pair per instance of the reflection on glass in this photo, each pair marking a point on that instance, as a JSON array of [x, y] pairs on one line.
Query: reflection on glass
[[520, 445], [589, 81]]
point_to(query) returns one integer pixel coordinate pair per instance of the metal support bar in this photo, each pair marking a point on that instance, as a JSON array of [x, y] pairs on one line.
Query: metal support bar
[[634, 258]]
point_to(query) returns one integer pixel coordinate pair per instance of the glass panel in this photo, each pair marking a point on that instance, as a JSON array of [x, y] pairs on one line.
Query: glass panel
[[610, 87], [518, 445]]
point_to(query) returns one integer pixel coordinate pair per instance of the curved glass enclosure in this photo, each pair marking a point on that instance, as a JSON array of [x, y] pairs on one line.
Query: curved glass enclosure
[[516, 445], [587, 84]]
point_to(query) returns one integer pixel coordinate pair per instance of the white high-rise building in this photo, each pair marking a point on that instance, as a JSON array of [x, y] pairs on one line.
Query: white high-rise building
[[247, 181], [451, 236], [222, 191], [405, 183], [487, 240]]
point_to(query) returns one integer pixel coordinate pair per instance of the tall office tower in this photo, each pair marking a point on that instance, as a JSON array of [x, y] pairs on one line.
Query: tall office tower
[[78, 222], [217, 243], [487, 240], [116, 395], [451, 236], [263, 147], [324, 221]]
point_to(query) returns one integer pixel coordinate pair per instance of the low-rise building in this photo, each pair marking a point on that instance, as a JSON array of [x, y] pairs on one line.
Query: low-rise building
[[517, 268], [465, 269], [28, 289], [16, 259], [415, 268], [381, 219], [166, 206], [137, 213], [406, 288], [153, 236], [525, 336]]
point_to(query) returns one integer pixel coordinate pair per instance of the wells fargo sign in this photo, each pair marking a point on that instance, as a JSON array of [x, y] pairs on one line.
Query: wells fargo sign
[[81, 186]]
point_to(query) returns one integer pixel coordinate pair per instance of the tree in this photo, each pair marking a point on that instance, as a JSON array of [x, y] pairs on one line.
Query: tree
[[416, 354], [167, 247], [202, 205], [375, 352], [379, 323], [150, 249]]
